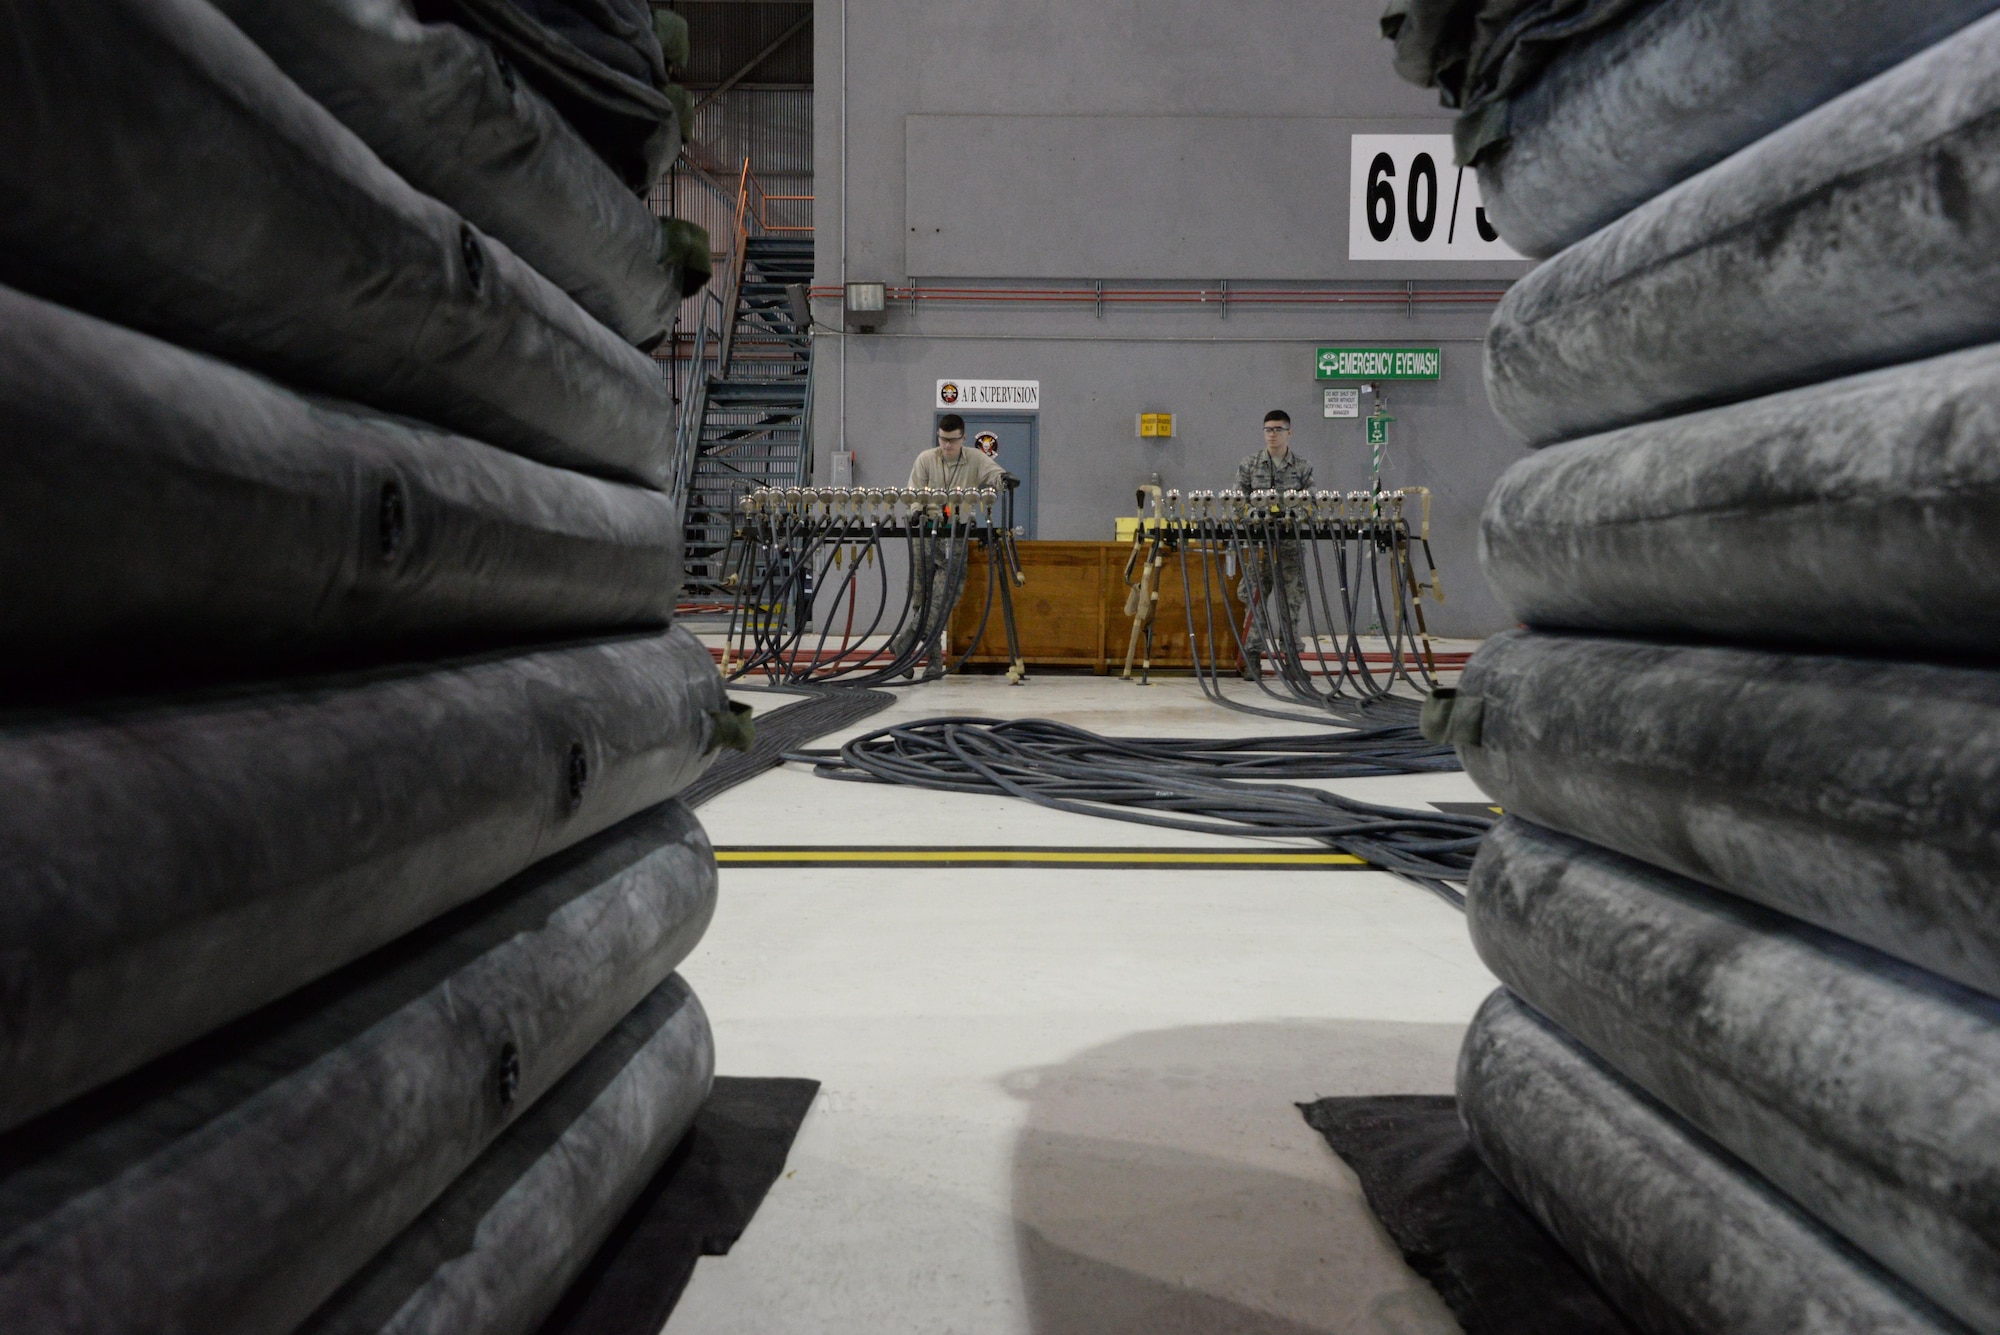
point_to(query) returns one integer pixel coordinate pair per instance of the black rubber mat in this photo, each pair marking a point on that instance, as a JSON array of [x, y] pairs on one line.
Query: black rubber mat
[[1496, 1268], [698, 1205], [825, 709]]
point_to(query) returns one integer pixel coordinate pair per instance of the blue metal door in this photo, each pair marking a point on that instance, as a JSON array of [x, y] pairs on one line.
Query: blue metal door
[[1011, 439]]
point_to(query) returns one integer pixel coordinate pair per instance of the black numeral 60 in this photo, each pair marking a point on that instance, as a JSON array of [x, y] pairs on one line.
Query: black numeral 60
[[1382, 197]]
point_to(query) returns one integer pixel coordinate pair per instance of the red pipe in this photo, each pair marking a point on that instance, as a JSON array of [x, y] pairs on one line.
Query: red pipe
[[1202, 295]]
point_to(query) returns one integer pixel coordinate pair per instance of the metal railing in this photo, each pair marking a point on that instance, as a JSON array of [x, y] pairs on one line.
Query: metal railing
[[716, 319], [694, 403]]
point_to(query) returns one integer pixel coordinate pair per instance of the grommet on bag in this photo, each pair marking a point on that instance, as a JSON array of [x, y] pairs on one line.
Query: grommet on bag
[[475, 255], [578, 774], [507, 1074], [391, 519]]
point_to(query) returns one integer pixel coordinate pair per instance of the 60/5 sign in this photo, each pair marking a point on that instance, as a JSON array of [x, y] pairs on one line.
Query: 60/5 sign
[[1406, 201]]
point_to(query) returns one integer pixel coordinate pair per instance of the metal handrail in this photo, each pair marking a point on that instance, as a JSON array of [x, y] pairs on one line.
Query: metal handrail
[[694, 405], [806, 423], [751, 217], [760, 209], [739, 241]]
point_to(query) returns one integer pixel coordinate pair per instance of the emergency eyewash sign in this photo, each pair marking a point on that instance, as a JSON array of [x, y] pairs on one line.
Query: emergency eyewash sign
[[1406, 201], [1380, 363]]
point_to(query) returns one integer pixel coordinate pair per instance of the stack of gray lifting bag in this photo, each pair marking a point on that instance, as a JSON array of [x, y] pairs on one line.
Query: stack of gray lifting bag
[[343, 887], [1746, 899]]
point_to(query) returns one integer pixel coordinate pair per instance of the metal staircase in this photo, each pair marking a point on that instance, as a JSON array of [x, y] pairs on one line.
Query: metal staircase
[[747, 422]]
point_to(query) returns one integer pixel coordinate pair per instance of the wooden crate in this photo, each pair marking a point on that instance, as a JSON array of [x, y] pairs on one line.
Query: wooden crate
[[1071, 612]]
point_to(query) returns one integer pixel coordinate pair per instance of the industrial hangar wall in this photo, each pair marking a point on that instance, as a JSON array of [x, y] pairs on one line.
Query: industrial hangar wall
[[1169, 151]]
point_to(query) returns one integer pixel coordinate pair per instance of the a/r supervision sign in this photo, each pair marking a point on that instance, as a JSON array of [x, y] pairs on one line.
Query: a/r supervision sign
[[1380, 363]]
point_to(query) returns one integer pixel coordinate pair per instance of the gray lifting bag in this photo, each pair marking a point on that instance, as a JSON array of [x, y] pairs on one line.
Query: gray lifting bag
[[1622, 114], [162, 173], [455, 121], [1864, 234], [171, 866], [1861, 796], [232, 1187], [496, 1252], [1867, 1090], [603, 66], [166, 511], [1860, 513], [1682, 1238]]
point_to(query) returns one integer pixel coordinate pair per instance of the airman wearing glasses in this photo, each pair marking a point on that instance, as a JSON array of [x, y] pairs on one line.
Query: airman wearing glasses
[[1273, 468], [947, 466]]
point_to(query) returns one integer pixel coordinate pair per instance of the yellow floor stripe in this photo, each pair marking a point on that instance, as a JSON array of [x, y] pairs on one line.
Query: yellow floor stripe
[[1127, 857]]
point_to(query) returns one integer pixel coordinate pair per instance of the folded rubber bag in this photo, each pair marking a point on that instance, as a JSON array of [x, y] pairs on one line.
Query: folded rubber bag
[[162, 173], [1623, 113], [495, 1253], [237, 1184], [1860, 795], [167, 512], [174, 864], [1861, 513], [1864, 234], [1865, 1089], [456, 121], [1680, 1237]]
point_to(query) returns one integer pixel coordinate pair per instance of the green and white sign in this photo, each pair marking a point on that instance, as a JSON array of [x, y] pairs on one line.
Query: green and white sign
[[1380, 363], [1378, 428]]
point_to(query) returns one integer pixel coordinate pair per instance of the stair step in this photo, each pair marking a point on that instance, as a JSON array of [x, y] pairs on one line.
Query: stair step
[[776, 393], [753, 431]]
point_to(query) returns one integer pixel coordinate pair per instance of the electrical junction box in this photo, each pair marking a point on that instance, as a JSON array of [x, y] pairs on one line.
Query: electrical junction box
[[1156, 426], [864, 305]]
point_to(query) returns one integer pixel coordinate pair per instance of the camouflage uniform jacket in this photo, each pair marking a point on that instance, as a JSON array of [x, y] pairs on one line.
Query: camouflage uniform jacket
[[1258, 473]]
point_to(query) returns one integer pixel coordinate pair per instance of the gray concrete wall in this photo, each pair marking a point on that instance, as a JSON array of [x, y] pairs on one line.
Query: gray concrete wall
[[1090, 74]]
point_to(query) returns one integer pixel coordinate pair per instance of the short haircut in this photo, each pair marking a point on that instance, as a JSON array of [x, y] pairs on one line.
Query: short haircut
[[951, 422], [1278, 415]]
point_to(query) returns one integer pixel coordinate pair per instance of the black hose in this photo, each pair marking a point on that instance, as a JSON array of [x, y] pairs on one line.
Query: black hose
[[1202, 785]]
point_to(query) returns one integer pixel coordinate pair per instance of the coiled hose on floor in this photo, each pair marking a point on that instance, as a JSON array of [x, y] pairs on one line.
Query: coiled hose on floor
[[1208, 786]]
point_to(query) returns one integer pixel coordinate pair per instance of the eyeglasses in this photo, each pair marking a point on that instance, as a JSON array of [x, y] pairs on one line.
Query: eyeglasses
[[1277, 431]]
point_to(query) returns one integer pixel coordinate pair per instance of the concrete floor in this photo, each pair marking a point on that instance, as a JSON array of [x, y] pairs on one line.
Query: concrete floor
[[1061, 1101]]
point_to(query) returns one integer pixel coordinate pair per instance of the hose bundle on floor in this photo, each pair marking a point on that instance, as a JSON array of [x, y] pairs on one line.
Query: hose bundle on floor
[[1199, 785], [1743, 900], [337, 735], [784, 729]]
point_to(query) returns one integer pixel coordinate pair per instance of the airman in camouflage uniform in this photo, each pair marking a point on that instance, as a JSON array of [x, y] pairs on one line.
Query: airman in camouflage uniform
[[1275, 468], [952, 464]]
